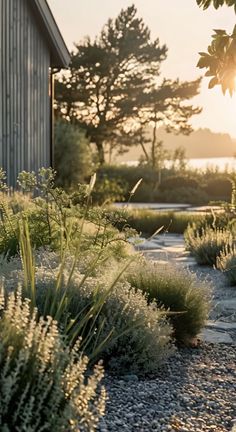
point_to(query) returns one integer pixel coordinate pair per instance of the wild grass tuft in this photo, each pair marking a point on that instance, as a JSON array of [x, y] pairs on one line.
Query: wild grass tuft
[[147, 221], [114, 322], [42, 383], [207, 243], [226, 262], [178, 291]]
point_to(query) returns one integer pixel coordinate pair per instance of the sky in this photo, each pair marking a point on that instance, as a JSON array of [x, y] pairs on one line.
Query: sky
[[179, 24]]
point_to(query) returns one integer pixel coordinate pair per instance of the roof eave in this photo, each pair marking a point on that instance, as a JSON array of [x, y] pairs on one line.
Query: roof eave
[[60, 56]]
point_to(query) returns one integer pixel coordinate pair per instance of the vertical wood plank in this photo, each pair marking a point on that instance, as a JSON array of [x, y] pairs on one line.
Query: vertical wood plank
[[24, 95]]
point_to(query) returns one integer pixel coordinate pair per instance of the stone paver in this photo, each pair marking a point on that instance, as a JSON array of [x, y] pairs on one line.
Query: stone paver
[[166, 248], [221, 325], [214, 336], [229, 305]]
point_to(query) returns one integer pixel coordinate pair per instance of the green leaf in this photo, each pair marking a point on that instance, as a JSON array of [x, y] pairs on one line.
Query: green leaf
[[203, 54], [234, 30], [203, 62], [209, 73], [213, 82], [220, 32]]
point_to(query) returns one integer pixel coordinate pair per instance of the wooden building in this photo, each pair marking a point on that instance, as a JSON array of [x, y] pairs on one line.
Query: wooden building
[[31, 49]]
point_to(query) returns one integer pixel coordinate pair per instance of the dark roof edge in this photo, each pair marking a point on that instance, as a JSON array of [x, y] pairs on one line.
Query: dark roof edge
[[59, 54]]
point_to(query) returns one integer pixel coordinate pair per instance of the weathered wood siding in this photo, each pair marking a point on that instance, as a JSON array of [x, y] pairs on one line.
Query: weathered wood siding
[[24, 91]]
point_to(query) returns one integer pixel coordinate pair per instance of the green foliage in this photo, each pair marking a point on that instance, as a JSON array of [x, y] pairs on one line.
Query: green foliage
[[42, 384], [73, 156], [206, 243], [116, 323], [17, 201], [219, 188], [220, 58], [178, 291], [112, 91], [226, 262], [60, 297], [3, 177], [75, 232], [106, 314], [42, 233], [177, 181], [146, 221], [9, 245], [223, 219], [146, 192], [57, 221], [220, 61], [109, 190], [182, 189], [27, 181], [186, 195], [193, 187], [216, 3]]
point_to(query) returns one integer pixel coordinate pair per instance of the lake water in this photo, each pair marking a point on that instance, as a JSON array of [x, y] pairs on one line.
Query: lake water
[[168, 207], [228, 163], [222, 164]]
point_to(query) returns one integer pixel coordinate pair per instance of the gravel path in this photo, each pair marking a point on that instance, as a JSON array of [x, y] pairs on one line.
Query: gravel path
[[195, 392]]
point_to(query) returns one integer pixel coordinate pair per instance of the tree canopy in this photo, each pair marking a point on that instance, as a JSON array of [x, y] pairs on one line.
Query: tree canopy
[[220, 58], [112, 87], [216, 3]]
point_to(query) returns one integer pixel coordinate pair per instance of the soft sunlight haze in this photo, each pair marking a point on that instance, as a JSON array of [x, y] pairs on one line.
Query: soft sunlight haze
[[181, 25]]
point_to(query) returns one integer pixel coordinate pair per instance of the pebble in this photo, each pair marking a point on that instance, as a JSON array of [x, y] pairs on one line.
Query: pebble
[[131, 377], [193, 392]]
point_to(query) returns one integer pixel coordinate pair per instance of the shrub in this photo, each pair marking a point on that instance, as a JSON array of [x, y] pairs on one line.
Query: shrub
[[146, 192], [219, 189], [207, 243], [115, 322], [106, 314], [141, 338], [53, 218], [9, 244], [178, 291], [43, 385], [226, 262], [148, 221], [73, 156], [173, 182], [42, 214], [17, 201], [109, 190], [187, 195], [42, 233]]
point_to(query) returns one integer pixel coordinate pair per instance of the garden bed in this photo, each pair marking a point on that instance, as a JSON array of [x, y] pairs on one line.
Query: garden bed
[[194, 392]]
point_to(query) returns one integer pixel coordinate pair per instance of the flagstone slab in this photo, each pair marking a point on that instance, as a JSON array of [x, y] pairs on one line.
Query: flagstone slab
[[174, 243], [186, 261], [221, 325], [174, 249], [146, 245], [156, 256], [215, 337], [227, 305], [159, 262]]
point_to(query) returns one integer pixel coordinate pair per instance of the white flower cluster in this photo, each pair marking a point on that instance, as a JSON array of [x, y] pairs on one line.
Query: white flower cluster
[[42, 383]]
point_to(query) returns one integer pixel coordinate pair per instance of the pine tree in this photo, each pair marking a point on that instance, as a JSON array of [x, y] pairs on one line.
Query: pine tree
[[113, 80]]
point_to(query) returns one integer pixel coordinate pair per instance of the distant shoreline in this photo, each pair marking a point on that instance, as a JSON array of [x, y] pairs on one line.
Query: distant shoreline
[[200, 163]]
